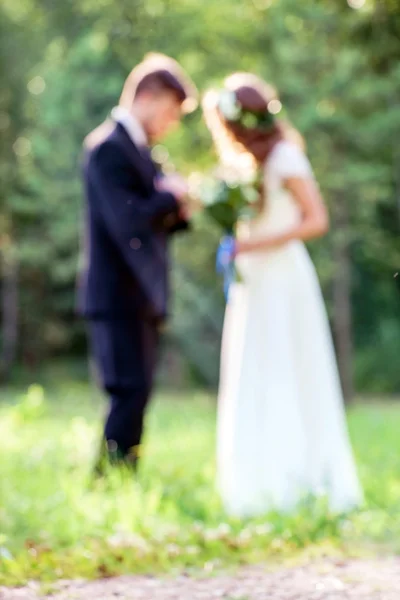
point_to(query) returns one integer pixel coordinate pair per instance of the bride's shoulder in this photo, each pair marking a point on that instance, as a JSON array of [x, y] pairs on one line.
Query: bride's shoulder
[[288, 159], [284, 150]]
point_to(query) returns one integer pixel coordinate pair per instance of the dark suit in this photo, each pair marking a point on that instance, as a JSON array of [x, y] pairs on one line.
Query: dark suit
[[123, 290]]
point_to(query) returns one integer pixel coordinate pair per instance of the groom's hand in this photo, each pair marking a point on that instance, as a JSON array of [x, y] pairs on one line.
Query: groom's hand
[[179, 187], [176, 185], [185, 211]]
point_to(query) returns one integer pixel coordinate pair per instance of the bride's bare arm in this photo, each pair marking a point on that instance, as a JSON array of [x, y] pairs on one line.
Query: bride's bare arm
[[314, 222]]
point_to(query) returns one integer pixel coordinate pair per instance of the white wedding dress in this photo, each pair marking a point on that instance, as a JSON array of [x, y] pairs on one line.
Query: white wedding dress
[[282, 432]]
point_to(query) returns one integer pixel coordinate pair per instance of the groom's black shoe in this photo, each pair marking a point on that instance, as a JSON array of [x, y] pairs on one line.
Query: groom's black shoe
[[110, 456]]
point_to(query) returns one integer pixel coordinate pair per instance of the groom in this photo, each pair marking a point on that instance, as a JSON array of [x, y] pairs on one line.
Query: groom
[[130, 213]]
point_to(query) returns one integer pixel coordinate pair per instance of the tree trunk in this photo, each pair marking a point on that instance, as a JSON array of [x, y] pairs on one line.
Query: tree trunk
[[396, 171], [9, 313], [342, 313]]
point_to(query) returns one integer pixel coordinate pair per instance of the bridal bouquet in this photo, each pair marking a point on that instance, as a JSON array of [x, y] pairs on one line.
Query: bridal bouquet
[[226, 199]]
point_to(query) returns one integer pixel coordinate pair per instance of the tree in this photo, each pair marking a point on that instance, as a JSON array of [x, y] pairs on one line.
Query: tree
[[337, 72]]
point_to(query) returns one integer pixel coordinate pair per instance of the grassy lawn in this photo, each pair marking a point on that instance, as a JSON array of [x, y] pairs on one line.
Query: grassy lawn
[[52, 524]]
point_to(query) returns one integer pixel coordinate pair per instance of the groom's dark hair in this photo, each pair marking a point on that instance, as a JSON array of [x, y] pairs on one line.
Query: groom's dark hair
[[158, 73]]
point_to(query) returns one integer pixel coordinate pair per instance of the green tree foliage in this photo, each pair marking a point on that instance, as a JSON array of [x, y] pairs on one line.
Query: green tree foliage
[[337, 70]]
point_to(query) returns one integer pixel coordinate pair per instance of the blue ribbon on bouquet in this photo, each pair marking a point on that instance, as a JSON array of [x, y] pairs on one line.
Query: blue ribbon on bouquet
[[225, 262]]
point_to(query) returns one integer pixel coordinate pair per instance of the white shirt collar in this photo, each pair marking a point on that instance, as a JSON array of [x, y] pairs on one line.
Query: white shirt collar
[[131, 125]]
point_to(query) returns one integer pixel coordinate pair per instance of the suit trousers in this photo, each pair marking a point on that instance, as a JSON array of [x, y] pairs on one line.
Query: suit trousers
[[125, 353]]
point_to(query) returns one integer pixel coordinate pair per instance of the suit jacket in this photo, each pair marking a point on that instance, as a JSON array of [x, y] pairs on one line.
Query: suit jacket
[[127, 225]]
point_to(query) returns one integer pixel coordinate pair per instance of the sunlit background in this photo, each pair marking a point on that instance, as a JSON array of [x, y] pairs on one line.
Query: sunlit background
[[337, 69]]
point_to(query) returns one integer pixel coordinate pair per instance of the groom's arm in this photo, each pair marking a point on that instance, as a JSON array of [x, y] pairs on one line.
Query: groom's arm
[[178, 220], [179, 226], [129, 216], [175, 222], [124, 207]]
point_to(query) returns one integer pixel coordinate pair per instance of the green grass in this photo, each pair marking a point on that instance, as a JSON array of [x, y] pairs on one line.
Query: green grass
[[53, 525]]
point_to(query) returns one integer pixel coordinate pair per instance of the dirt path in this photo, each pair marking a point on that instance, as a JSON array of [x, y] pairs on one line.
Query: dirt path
[[325, 580]]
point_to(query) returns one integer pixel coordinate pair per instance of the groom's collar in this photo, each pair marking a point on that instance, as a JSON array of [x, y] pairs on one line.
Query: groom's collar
[[131, 125]]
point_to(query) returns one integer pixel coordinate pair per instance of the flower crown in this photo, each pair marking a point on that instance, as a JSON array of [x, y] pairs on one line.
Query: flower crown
[[232, 111]]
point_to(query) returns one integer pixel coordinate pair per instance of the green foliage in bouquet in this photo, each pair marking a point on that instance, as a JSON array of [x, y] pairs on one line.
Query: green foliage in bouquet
[[226, 202]]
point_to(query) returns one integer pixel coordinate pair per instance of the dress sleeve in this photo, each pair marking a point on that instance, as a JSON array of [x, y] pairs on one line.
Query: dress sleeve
[[290, 161]]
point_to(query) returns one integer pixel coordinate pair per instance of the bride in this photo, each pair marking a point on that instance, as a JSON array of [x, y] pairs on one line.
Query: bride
[[282, 431]]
